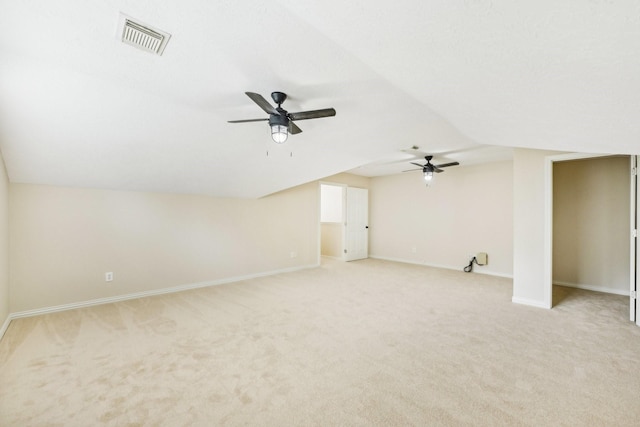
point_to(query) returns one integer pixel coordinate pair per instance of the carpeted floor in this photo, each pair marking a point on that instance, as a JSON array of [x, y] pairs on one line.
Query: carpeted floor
[[363, 343]]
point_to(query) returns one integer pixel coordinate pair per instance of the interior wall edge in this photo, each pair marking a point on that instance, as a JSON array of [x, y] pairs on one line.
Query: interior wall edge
[[530, 269], [5, 270]]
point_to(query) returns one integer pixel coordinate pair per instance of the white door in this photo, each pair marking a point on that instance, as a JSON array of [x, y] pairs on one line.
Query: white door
[[633, 258], [356, 235]]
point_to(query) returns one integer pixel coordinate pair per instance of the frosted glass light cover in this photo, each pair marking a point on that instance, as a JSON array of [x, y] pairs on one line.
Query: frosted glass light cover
[[279, 134]]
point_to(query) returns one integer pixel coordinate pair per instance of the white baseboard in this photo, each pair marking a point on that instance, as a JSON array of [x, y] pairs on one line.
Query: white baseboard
[[593, 288], [517, 300], [337, 258], [117, 298], [530, 302], [446, 267], [5, 326]]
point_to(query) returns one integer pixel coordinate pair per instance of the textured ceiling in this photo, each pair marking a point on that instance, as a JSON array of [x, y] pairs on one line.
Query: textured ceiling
[[462, 78]]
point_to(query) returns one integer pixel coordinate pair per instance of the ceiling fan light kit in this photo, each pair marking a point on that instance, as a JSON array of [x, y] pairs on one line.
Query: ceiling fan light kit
[[428, 177], [280, 120], [279, 134], [428, 169], [279, 128]]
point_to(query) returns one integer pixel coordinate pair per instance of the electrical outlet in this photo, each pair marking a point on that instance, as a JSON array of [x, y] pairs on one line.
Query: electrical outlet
[[108, 277]]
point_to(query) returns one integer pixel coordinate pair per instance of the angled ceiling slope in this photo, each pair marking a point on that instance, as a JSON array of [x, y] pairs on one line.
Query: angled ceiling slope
[[80, 108]]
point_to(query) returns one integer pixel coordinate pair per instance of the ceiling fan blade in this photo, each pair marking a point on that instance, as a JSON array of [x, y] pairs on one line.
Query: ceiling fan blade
[[262, 103], [411, 170], [446, 165], [437, 169], [314, 114], [293, 129], [417, 164], [247, 120]]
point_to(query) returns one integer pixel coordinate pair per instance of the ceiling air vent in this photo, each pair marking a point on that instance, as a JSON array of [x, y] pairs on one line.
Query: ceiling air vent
[[142, 36]]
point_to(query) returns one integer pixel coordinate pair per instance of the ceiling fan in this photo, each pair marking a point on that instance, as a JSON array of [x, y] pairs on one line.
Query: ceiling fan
[[428, 168], [280, 120]]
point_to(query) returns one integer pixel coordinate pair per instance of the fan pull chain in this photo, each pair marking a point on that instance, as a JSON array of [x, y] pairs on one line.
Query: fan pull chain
[[290, 153]]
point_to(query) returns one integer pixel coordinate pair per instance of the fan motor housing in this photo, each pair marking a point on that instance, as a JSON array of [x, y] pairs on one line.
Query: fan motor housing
[[277, 119]]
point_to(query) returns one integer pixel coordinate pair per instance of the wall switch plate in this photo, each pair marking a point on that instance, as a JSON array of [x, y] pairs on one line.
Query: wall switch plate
[[108, 277]]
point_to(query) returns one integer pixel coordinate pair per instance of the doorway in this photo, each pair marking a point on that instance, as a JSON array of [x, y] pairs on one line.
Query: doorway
[[356, 228], [588, 232], [332, 213], [344, 229]]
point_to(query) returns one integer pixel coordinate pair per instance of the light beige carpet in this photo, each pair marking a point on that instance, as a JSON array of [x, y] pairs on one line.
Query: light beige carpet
[[363, 343]]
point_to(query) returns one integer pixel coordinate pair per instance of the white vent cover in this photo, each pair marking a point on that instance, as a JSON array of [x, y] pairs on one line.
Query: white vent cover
[[142, 36]]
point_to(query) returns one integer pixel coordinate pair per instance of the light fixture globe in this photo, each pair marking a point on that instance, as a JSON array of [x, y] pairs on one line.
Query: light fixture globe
[[279, 128], [428, 174], [279, 134]]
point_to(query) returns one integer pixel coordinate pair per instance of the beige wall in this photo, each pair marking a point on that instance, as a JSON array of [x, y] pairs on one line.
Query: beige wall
[[528, 226], [591, 223], [467, 210], [64, 240], [4, 245]]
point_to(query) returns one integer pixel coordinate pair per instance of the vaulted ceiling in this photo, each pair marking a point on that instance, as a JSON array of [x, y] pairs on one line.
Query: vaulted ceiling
[[80, 108]]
